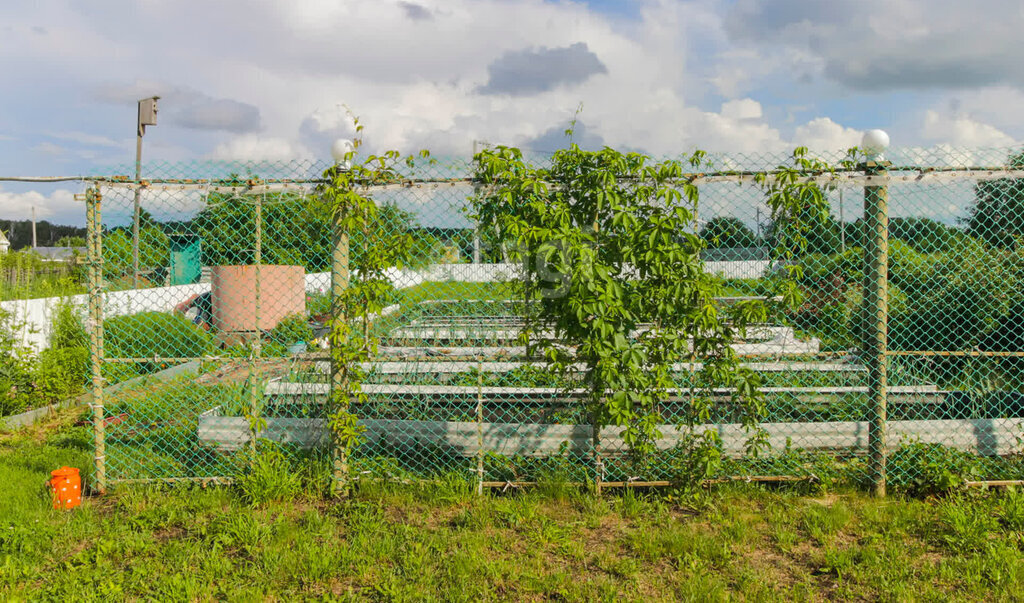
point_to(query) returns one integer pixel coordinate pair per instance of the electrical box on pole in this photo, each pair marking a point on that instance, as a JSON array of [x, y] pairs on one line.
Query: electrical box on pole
[[147, 111]]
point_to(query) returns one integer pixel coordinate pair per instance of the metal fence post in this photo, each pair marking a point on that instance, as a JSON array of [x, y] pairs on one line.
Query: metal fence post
[[480, 425], [876, 313], [595, 441], [137, 212], [339, 379], [257, 342], [95, 255]]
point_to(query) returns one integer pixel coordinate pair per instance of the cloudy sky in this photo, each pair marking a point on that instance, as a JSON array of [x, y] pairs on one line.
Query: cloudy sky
[[269, 79]]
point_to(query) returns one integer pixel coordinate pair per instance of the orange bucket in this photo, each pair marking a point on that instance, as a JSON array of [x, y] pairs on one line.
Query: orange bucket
[[67, 488]]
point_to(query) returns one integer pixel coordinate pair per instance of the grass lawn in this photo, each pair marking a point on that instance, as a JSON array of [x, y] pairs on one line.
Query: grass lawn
[[444, 543]]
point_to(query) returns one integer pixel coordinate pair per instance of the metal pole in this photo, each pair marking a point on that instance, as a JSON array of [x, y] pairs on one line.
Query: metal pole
[[140, 131], [95, 255], [842, 224], [339, 378], [876, 307], [595, 435], [257, 343], [476, 225], [480, 426]]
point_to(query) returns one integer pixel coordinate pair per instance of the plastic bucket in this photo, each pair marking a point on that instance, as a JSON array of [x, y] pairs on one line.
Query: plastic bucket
[[67, 488]]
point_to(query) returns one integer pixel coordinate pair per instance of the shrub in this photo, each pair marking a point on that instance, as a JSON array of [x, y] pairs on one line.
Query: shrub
[[267, 476], [155, 334], [61, 372], [63, 368], [848, 265], [931, 468], [15, 368], [291, 329], [971, 294]]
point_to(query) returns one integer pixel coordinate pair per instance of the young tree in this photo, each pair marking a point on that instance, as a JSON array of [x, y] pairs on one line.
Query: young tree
[[296, 231], [997, 216], [725, 231], [607, 241]]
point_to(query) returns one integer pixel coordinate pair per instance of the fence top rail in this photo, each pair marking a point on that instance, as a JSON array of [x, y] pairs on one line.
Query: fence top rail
[[854, 176]]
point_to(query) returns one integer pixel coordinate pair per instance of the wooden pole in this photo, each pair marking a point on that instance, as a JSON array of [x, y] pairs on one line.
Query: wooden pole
[[137, 206], [480, 427], [94, 250], [339, 379], [257, 341], [876, 307]]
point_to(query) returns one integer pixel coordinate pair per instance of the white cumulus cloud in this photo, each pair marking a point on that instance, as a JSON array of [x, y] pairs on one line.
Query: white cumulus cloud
[[962, 130], [251, 147]]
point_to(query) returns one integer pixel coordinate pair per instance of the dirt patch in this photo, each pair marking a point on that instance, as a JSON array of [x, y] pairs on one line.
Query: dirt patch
[[825, 501], [239, 371], [41, 430], [784, 571], [169, 533]]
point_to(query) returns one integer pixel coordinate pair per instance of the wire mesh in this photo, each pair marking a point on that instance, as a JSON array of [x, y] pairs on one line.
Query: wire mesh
[[902, 361]]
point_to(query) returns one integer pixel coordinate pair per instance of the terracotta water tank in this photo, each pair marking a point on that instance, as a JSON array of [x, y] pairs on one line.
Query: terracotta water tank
[[233, 293]]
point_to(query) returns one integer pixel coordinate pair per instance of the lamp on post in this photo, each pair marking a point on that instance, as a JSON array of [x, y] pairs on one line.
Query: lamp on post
[[147, 117], [876, 297], [340, 150]]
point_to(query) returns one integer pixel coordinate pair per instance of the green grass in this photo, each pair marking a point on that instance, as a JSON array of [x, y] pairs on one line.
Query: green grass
[[25, 275], [267, 540]]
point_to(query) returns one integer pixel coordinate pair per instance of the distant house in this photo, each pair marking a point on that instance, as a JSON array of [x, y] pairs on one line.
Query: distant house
[[60, 254], [5, 243], [736, 262], [734, 254]]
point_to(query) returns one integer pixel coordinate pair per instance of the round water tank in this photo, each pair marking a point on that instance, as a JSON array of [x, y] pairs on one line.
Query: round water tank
[[282, 292]]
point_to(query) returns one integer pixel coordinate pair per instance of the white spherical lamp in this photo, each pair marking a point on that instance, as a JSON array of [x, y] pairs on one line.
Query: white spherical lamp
[[340, 150], [874, 143]]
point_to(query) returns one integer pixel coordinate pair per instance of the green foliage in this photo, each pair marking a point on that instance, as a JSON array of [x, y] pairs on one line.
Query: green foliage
[[1011, 510], [382, 241], [297, 230], [67, 330], [975, 294], [848, 266], [607, 242], [155, 334], [291, 330], [29, 379], [923, 235], [967, 528], [997, 216], [25, 275], [695, 459], [978, 287], [70, 241], [62, 372], [16, 384], [576, 226], [63, 368], [266, 475], [725, 231], [931, 469], [926, 236], [420, 542], [154, 249]]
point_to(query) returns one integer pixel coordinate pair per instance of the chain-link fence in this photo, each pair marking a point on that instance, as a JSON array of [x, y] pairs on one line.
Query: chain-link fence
[[901, 363]]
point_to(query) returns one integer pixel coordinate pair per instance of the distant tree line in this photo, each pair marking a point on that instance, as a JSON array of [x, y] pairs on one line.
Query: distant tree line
[[19, 232], [826, 235]]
